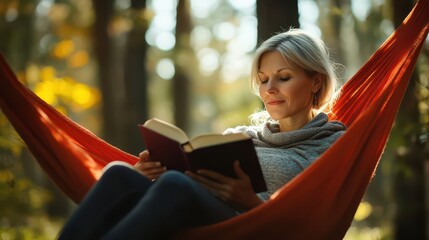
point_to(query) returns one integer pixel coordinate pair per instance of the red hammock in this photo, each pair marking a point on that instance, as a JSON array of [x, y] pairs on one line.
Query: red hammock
[[318, 204]]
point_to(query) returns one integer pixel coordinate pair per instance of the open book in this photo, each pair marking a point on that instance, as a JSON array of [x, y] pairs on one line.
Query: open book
[[169, 145]]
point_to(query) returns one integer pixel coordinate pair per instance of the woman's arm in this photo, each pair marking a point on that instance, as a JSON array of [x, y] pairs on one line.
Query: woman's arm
[[236, 191]]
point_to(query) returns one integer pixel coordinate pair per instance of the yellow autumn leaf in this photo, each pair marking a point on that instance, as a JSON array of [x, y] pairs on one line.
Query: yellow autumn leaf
[[46, 91], [32, 74], [78, 59], [84, 96], [363, 211], [63, 49], [47, 73]]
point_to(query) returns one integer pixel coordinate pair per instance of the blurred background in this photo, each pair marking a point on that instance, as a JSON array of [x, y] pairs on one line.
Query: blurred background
[[111, 64]]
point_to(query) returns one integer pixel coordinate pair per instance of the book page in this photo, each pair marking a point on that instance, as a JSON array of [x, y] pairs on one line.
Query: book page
[[167, 129], [215, 139]]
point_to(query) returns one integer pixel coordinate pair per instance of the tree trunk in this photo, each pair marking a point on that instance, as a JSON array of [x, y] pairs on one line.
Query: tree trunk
[[181, 82], [102, 44], [135, 110], [276, 16], [409, 172], [17, 39], [332, 31]]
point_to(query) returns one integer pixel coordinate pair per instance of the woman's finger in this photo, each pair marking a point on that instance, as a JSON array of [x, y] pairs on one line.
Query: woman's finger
[[147, 165], [154, 170], [239, 171], [154, 173], [144, 156]]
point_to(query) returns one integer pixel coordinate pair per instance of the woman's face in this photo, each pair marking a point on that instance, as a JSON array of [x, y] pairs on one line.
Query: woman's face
[[287, 91]]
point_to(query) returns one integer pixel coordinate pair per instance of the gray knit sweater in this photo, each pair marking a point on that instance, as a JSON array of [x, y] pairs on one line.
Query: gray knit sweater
[[283, 155]]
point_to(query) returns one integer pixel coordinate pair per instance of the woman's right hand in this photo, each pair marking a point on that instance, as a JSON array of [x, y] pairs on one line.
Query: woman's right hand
[[150, 169]]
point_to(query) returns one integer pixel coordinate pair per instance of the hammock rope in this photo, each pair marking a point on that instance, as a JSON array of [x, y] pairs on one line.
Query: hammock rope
[[318, 204]]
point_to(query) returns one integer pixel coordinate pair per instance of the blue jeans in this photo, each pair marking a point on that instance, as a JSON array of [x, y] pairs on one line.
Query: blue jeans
[[124, 204]]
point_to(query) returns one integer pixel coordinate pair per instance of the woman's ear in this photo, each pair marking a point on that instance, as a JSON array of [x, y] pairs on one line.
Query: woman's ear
[[317, 82]]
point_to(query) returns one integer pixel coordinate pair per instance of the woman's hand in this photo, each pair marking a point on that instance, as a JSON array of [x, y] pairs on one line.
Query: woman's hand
[[237, 191], [150, 169]]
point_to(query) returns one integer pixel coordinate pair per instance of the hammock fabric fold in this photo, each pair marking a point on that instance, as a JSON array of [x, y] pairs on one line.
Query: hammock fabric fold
[[318, 204]]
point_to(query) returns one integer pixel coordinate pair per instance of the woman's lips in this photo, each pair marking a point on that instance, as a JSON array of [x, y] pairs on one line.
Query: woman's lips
[[276, 102]]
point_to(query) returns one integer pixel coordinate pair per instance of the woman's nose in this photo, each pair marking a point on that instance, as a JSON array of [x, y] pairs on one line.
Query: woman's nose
[[271, 87]]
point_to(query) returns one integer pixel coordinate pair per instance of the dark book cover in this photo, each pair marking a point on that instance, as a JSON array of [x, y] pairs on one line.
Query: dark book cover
[[165, 150], [218, 158]]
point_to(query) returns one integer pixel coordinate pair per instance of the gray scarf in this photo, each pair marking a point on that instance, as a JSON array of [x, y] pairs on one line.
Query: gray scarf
[[269, 134], [283, 155]]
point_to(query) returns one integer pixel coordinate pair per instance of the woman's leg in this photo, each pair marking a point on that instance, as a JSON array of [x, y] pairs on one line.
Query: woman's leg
[[112, 197], [174, 202]]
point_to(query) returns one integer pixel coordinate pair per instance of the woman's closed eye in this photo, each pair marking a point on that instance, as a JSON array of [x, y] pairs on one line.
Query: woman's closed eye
[[263, 78], [284, 76]]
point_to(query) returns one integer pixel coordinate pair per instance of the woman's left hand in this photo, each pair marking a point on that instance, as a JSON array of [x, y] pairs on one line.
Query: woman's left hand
[[237, 191]]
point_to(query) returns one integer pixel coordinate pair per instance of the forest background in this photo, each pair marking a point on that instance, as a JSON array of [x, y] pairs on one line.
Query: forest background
[[111, 64]]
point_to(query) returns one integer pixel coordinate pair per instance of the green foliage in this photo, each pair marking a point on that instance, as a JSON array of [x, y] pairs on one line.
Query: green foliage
[[35, 228], [22, 203], [10, 142]]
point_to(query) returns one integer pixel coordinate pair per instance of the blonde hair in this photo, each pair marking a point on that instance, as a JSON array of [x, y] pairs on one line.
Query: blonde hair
[[307, 52]]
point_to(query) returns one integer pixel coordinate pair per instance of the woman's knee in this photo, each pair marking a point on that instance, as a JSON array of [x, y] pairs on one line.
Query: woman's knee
[[175, 180], [116, 164], [119, 173]]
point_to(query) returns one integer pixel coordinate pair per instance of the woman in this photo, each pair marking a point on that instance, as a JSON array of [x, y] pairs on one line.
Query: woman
[[295, 79]]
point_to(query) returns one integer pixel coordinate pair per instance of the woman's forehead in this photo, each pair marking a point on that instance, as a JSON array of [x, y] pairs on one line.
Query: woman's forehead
[[274, 60]]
